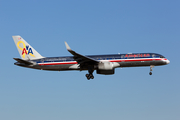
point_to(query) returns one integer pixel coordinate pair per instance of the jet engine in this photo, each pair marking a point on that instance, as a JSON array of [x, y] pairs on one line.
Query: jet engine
[[106, 68]]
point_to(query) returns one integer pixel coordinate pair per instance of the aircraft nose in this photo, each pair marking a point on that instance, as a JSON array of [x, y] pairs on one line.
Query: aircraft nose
[[167, 61]]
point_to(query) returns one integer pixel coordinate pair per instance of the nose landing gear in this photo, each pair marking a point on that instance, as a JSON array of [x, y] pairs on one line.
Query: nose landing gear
[[151, 66]]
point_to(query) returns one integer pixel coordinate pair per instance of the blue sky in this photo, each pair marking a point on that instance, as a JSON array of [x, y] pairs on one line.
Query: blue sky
[[90, 27]]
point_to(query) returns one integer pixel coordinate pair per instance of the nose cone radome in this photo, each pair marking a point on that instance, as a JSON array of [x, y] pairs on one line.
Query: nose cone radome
[[167, 61]]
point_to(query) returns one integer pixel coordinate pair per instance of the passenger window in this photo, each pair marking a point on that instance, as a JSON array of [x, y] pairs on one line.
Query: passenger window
[[162, 57]]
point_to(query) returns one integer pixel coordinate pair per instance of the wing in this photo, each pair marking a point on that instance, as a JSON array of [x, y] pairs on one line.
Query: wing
[[81, 59]]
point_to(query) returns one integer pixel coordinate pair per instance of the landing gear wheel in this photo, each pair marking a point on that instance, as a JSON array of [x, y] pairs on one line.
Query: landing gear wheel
[[150, 73], [89, 76]]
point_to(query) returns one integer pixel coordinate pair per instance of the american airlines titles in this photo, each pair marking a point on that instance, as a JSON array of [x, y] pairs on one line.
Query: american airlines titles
[[137, 55]]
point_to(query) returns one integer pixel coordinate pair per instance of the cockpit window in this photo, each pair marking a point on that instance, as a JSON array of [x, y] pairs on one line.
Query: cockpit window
[[162, 57]]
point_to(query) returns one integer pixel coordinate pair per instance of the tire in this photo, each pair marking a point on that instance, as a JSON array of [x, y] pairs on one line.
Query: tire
[[150, 73]]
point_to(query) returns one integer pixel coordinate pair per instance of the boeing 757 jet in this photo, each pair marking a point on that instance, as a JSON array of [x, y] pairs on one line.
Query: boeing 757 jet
[[103, 64]]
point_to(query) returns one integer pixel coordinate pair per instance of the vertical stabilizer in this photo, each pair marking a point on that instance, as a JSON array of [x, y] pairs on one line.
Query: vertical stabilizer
[[26, 51]]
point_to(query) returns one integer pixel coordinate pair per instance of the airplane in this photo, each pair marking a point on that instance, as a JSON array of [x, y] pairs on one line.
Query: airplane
[[103, 64]]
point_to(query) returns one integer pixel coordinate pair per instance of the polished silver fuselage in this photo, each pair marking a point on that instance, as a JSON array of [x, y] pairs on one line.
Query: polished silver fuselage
[[121, 60]]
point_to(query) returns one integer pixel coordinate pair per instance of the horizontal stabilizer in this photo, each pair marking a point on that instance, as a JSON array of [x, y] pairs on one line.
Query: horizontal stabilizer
[[22, 61]]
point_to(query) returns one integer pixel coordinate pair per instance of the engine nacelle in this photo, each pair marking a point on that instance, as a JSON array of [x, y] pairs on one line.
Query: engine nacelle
[[105, 72], [106, 68]]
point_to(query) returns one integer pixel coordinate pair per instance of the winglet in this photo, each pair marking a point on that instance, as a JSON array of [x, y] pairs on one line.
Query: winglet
[[67, 46]]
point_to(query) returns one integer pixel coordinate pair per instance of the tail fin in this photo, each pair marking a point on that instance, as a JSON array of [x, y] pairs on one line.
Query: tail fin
[[25, 50]]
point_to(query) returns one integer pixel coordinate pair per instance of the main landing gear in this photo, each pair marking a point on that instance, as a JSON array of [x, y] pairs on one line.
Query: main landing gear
[[90, 75], [151, 66]]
